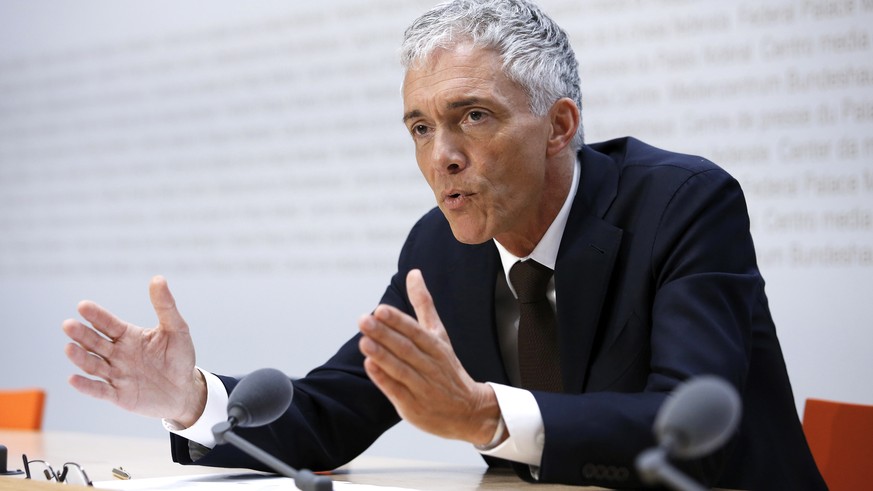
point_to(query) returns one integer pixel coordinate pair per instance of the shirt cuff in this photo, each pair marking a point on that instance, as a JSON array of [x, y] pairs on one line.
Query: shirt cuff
[[525, 425], [215, 412]]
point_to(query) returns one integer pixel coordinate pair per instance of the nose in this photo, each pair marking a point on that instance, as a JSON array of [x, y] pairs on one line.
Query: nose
[[448, 153]]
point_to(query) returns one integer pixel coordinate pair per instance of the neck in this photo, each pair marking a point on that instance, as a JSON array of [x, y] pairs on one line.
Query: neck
[[559, 179]]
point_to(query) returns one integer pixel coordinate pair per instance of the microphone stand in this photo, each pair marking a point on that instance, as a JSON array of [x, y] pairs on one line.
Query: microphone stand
[[697, 418], [654, 467], [304, 479]]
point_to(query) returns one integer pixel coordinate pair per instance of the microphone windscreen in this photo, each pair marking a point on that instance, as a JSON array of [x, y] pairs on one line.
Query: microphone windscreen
[[260, 397], [699, 416]]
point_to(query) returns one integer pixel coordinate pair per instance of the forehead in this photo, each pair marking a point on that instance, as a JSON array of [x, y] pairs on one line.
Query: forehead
[[462, 72]]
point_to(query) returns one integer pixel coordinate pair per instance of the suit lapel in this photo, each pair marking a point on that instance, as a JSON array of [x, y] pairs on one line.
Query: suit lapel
[[584, 266]]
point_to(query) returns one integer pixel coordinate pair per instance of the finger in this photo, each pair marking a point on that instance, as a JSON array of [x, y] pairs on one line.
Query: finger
[[426, 355], [395, 329], [93, 388], [388, 385], [88, 338], [422, 301], [396, 320], [396, 392], [392, 329], [102, 319], [401, 337], [165, 305], [401, 360], [385, 345], [87, 362]]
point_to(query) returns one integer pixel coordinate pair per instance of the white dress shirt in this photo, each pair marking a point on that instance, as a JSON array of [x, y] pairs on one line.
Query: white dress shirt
[[518, 407]]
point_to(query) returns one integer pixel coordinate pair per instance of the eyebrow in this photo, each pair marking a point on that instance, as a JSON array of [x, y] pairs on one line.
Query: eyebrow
[[472, 101], [411, 114]]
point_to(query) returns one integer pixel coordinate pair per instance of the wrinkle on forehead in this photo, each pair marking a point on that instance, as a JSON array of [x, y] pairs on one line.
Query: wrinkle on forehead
[[462, 56]]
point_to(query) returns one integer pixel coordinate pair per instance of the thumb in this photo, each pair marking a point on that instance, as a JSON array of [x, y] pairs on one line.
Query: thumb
[[165, 305], [421, 300]]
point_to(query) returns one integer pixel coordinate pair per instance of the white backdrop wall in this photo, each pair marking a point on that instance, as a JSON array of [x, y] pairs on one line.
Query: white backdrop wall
[[252, 153]]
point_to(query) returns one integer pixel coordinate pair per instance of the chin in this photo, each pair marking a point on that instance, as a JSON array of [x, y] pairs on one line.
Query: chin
[[468, 237]]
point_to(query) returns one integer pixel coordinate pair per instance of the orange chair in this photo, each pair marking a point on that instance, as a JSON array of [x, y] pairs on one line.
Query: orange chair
[[840, 436], [21, 409]]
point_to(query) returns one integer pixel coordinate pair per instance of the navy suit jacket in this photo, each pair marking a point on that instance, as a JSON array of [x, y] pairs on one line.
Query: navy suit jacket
[[656, 281]]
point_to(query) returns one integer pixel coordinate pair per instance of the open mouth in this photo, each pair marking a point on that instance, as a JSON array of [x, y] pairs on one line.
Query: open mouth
[[456, 200]]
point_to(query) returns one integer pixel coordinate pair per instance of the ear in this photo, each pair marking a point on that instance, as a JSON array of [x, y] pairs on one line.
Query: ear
[[564, 117]]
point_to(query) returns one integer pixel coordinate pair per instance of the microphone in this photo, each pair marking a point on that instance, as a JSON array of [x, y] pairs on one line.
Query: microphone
[[699, 417], [260, 398]]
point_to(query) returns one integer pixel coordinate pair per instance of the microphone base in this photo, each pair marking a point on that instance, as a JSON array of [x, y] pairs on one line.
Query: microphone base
[[655, 469], [304, 479]]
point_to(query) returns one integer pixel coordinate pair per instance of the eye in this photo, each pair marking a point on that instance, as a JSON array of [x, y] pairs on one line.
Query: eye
[[475, 117], [420, 130]]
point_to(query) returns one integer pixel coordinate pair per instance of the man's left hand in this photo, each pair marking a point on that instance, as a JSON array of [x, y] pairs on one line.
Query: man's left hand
[[414, 365]]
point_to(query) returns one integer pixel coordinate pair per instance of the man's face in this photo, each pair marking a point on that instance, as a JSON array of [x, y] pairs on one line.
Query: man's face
[[480, 148]]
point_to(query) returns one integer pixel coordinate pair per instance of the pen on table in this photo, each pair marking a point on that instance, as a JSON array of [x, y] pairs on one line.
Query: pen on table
[[120, 473]]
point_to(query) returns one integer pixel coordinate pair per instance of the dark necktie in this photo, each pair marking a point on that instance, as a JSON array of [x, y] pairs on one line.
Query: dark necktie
[[538, 356]]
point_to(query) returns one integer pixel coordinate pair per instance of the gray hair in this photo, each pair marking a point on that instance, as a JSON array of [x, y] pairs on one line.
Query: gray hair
[[535, 51]]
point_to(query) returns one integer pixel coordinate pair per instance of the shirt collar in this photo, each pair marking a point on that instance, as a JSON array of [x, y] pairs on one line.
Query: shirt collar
[[546, 251]]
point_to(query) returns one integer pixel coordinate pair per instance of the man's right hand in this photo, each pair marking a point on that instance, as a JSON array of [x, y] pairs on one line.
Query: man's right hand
[[147, 371]]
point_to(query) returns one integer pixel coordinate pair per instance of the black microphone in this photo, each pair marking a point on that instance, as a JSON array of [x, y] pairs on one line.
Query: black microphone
[[699, 417], [258, 399]]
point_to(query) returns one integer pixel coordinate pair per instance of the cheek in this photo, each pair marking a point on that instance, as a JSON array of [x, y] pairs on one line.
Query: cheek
[[422, 163], [426, 170], [509, 178]]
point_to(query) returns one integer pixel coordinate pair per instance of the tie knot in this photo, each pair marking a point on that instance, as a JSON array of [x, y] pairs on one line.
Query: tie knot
[[530, 280]]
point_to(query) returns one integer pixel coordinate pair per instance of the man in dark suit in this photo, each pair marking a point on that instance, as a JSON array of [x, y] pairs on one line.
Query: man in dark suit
[[646, 271]]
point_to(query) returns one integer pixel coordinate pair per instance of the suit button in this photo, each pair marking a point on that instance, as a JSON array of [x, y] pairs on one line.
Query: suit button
[[600, 472]]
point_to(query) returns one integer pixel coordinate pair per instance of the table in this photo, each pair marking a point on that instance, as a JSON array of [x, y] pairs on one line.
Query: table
[[150, 457]]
